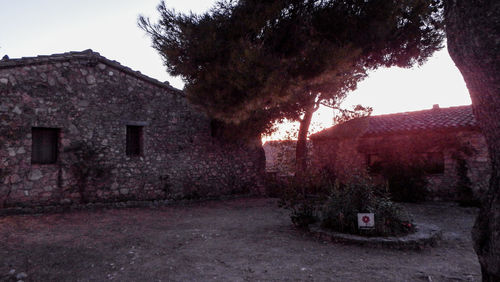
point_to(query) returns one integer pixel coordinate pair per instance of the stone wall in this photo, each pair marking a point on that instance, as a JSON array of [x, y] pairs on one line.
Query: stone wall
[[280, 156], [346, 156], [91, 100]]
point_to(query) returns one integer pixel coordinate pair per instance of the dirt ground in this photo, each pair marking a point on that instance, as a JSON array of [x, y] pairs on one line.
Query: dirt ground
[[232, 240]]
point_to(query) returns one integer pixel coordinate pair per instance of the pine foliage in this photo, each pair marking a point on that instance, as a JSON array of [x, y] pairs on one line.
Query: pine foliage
[[254, 62]]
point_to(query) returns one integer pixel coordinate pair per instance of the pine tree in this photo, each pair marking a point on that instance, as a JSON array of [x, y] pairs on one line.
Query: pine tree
[[250, 63]]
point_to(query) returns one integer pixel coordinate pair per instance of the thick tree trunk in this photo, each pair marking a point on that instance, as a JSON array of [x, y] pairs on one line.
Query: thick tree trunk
[[301, 148], [473, 33]]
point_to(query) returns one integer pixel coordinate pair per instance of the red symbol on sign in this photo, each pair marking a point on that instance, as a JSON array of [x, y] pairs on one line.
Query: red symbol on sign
[[365, 219]]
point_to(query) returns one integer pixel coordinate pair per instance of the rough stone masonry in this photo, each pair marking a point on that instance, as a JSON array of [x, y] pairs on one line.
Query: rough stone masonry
[[77, 127]]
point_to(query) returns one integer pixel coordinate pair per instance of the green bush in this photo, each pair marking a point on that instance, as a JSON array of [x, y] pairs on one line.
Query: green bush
[[335, 206], [276, 185], [88, 166], [406, 183], [345, 201], [303, 198]]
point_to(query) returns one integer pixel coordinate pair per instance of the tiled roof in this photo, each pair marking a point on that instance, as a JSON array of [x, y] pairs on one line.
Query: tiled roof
[[83, 55], [433, 119]]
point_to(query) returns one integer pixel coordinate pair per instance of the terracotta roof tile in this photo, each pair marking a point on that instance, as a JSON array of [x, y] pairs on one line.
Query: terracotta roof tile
[[433, 119]]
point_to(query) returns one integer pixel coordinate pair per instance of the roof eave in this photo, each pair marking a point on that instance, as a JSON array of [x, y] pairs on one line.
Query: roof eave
[[83, 55], [401, 132]]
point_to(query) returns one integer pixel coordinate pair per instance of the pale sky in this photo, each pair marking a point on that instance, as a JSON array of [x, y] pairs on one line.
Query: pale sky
[[41, 27]]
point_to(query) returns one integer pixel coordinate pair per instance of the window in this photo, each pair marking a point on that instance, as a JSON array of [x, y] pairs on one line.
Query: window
[[44, 145], [434, 162], [374, 163], [215, 128], [134, 140]]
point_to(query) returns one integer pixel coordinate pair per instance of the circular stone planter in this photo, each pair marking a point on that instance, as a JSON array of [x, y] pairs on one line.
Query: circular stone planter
[[425, 235]]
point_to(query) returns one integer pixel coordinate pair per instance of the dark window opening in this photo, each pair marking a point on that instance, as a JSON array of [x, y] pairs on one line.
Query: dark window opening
[[374, 163], [434, 163], [44, 145], [134, 140], [215, 128]]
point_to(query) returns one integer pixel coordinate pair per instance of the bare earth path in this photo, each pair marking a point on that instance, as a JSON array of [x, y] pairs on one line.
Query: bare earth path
[[233, 240]]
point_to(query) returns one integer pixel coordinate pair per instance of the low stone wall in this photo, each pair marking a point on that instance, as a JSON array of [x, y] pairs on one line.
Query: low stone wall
[[426, 235], [90, 101]]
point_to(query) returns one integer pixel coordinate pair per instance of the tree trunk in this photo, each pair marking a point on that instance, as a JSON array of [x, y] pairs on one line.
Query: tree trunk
[[473, 33], [301, 148]]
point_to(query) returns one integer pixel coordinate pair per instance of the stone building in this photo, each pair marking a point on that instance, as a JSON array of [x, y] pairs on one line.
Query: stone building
[[77, 127], [280, 156], [446, 142]]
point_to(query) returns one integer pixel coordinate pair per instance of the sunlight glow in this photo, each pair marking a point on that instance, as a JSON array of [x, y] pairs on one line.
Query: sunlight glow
[[393, 90]]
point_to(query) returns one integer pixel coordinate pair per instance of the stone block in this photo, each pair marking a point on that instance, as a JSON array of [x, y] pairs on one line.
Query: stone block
[[15, 178], [51, 81], [35, 174], [11, 152], [65, 201], [91, 79]]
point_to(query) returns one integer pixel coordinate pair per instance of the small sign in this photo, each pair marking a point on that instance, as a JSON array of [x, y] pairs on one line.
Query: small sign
[[366, 220]]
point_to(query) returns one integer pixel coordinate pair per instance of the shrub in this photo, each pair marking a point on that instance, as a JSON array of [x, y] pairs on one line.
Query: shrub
[[359, 195], [303, 197], [275, 185], [88, 167], [335, 206], [406, 183], [303, 209]]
